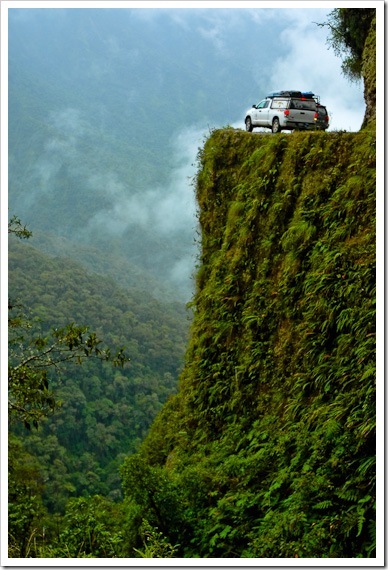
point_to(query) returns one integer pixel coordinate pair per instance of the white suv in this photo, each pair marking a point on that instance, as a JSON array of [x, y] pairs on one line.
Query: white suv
[[288, 110]]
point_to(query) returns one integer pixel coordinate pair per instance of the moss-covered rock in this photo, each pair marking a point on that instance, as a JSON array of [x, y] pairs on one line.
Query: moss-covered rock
[[369, 75]]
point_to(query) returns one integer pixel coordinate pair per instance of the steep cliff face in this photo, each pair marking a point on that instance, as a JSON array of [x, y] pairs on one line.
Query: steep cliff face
[[268, 449], [286, 270], [287, 230], [369, 77], [272, 432]]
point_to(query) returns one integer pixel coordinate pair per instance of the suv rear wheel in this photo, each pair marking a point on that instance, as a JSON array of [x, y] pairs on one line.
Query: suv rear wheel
[[276, 125], [248, 125]]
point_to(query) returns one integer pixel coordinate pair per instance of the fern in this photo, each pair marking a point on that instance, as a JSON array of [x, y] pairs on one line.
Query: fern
[[323, 504]]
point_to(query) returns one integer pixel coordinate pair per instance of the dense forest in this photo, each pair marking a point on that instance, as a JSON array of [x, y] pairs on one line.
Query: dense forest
[[266, 447], [105, 413]]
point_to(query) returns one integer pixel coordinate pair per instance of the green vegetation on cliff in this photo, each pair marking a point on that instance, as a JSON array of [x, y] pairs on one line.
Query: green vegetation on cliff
[[349, 29], [270, 441]]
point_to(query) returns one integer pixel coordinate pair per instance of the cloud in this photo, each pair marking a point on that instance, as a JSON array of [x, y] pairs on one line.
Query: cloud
[[167, 210], [181, 272], [66, 128], [68, 121], [312, 66], [214, 29]]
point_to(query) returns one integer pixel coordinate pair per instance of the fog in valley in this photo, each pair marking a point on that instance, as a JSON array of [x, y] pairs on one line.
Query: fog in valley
[[108, 108]]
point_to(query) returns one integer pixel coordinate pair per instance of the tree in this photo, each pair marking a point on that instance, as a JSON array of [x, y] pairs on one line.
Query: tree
[[25, 506], [31, 357], [160, 500], [349, 28], [90, 529], [16, 227]]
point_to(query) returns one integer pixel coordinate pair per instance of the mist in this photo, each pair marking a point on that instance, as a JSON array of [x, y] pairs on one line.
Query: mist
[[108, 108], [168, 209]]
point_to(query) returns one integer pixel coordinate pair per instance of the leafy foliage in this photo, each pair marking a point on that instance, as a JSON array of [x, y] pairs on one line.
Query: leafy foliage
[[102, 408], [268, 448], [16, 227], [25, 507], [349, 29], [269, 444], [155, 544], [90, 529], [32, 358], [105, 411]]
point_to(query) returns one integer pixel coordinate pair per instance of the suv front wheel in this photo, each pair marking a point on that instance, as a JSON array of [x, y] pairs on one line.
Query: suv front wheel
[[248, 125], [276, 125]]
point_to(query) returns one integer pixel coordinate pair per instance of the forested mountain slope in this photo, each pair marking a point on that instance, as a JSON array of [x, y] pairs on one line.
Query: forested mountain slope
[[106, 412]]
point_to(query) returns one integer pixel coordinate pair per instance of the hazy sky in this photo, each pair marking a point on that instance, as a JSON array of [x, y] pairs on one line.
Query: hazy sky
[[308, 64]]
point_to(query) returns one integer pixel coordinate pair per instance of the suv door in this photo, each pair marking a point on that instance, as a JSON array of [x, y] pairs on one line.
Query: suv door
[[278, 106], [260, 113], [302, 111]]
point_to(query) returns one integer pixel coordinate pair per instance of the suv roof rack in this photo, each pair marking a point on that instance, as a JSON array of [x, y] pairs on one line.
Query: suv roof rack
[[289, 93], [285, 94]]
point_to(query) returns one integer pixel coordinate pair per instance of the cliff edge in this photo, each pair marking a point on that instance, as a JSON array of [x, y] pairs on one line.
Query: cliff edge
[[268, 448]]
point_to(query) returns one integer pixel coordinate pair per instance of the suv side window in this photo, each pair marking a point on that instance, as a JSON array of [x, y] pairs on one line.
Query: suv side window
[[262, 105], [279, 104]]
